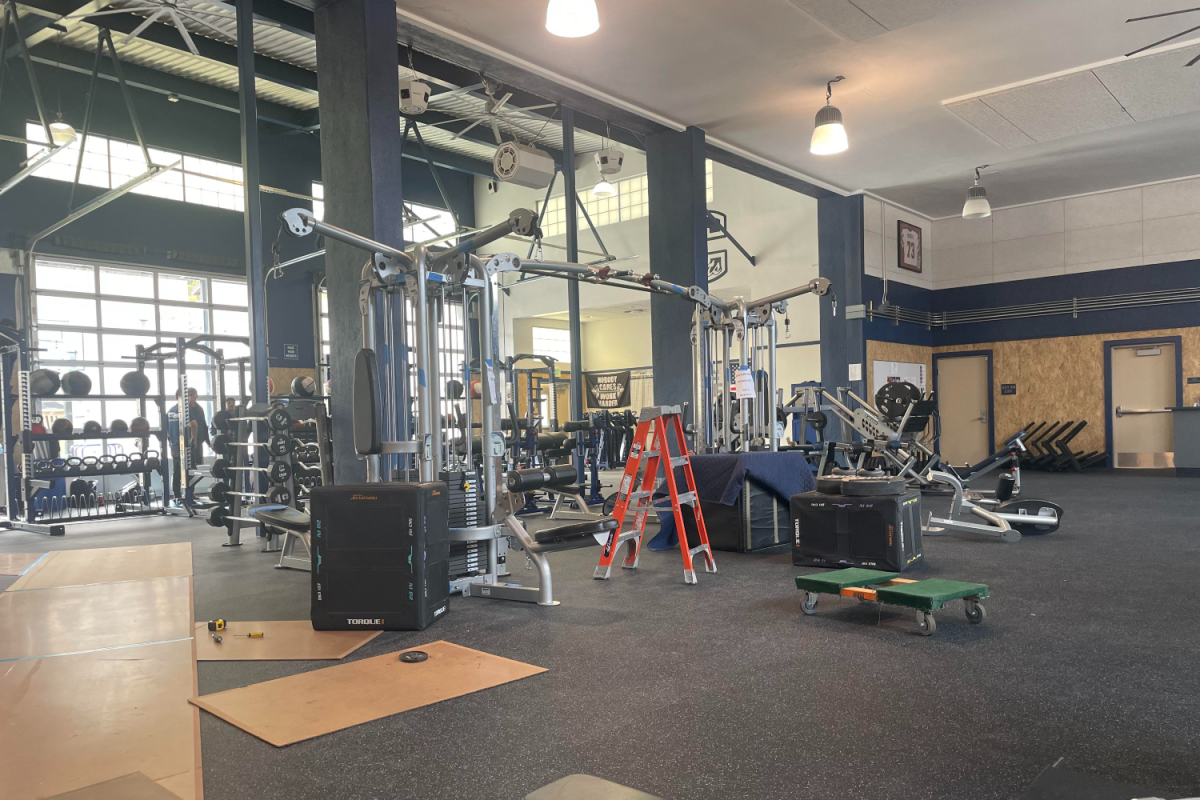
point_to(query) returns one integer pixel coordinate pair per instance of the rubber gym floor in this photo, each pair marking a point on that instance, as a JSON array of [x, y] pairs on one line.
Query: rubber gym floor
[[725, 690]]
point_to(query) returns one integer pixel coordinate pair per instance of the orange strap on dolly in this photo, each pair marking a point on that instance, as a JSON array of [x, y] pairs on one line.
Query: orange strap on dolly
[[657, 426]]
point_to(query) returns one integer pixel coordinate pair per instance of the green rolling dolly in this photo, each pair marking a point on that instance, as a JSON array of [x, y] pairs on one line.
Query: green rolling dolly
[[889, 588]]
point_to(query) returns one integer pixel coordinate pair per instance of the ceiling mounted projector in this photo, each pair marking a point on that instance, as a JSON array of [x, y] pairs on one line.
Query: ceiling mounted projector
[[609, 161], [414, 98], [523, 165]]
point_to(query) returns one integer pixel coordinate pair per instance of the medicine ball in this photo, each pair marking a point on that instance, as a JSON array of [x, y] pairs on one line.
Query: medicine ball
[[270, 385], [304, 386], [139, 425], [135, 384], [62, 427], [43, 382], [76, 384], [92, 428], [454, 389], [118, 426]]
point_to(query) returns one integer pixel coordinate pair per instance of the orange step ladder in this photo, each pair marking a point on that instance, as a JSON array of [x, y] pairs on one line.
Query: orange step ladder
[[656, 425]]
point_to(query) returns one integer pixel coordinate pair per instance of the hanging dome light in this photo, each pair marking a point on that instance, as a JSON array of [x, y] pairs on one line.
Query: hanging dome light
[[977, 205], [572, 19], [829, 135], [61, 133], [603, 190]]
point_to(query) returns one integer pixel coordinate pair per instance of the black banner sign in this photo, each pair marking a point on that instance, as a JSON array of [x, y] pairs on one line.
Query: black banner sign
[[607, 389]]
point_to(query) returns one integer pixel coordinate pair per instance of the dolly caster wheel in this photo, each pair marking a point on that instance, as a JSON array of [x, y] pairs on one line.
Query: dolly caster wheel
[[975, 612], [809, 604], [926, 623]]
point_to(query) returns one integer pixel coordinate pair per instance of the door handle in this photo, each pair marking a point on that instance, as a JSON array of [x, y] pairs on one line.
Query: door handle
[[983, 416]]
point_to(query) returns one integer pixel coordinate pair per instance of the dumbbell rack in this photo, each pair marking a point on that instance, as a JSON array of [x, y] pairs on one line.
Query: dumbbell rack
[[41, 518]]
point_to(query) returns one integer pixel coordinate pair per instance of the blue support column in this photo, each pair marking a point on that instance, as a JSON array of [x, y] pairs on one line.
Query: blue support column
[[360, 169], [840, 246], [248, 103], [678, 253]]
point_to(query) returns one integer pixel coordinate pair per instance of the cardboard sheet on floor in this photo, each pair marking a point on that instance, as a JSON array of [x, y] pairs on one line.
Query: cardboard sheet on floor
[[299, 707], [128, 787], [283, 640], [72, 619], [16, 563], [107, 565], [588, 787], [76, 720]]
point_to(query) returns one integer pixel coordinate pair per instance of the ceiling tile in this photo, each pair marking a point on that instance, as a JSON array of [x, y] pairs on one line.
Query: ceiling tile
[[893, 14], [1060, 107], [842, 17], [997, 128], [1154, 87]]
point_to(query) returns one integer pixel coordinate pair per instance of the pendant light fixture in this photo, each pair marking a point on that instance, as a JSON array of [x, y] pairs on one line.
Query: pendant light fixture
[[603, 190], [977, 205], [829, 135], [572, 19], [608, 162]]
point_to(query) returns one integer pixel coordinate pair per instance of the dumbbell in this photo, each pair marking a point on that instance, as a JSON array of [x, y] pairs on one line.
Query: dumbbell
[[279, 495], [220, 517], [277, 417], [280, 444], [278, 472]]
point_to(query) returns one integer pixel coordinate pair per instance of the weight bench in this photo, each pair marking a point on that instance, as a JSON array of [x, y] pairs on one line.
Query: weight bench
[[293, 527], [572, 536]]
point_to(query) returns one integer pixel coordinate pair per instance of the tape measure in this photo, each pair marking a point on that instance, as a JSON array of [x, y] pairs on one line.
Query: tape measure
[[216, 624]]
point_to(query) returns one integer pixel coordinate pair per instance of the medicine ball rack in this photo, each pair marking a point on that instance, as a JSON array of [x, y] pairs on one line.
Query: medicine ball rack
[[36, 517]]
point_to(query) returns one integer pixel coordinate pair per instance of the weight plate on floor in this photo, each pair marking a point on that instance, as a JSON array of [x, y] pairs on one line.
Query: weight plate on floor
[[414, 656]]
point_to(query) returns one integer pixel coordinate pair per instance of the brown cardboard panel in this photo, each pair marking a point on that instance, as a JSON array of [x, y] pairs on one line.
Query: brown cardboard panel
[[108, 565], [71, 619], [76, 720], [345, 695], [16, 563], [287, 640], [135, 786]]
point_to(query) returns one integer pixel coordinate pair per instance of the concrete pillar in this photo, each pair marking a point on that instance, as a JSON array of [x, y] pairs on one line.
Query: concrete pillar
[[360, 169], [678, 253]]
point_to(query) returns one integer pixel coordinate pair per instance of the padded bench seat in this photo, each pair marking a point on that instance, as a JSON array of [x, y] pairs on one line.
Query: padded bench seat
[[287, 518], [930, 595], [833, 582], [577, 534]]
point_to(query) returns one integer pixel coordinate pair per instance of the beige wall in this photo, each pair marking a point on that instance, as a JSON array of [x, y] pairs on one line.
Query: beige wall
[[615, 344], [1057, 379], [1107, 230]]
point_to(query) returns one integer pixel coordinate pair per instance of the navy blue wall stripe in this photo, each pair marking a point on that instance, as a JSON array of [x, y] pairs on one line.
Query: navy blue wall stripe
[[1150, 277]]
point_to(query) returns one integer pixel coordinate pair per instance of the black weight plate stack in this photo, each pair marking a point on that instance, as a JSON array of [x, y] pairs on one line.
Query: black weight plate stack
[[874, 487], [830, 484]]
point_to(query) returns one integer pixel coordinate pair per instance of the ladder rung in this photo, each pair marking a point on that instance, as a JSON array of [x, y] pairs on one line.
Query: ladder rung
[[687, 498], [635, 496], [649, 453], [703, 548], [679, 461]]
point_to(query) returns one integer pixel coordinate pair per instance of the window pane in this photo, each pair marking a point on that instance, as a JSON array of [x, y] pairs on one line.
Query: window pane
[[229, 293], [127, 282], [325, 329], [193, 356], [231, 323], [232, 350], [231, 383], [324, 302], [119, 348], [183, 319], [125, 410], [554, 342], [65, 277], [80, 312], [131, 316], [182, 289], [67, 346], [202, 380]]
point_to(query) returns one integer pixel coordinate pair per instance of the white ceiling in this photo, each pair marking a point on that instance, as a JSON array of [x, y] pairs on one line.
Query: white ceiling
[[752, 74]]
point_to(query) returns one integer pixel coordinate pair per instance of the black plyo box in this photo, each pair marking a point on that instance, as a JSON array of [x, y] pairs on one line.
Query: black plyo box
[[833, 530], [379, 556]]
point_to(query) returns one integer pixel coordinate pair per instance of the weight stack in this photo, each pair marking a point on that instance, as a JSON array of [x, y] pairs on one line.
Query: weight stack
[[467, 509], [467, 558], [379, 556], [830, 530]]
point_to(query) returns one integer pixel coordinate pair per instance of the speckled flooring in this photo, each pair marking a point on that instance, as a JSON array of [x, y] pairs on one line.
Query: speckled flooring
[[725, 690]]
